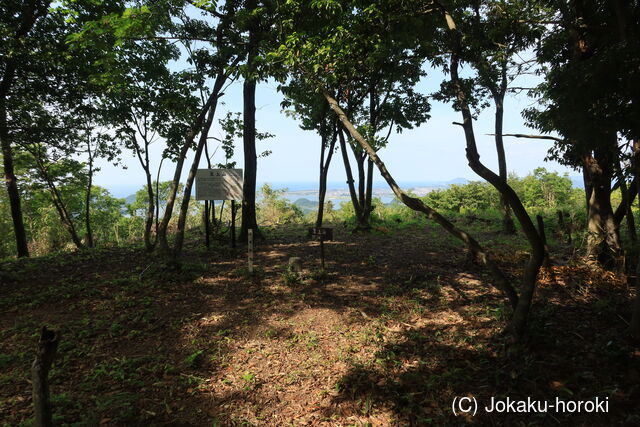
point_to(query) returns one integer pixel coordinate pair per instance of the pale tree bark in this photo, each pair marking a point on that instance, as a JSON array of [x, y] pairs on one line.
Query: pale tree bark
[[603, 241]]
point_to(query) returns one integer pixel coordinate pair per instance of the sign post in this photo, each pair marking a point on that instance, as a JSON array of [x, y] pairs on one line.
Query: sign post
[[233, 224], [219, 184], [250, 248], [322, 234]]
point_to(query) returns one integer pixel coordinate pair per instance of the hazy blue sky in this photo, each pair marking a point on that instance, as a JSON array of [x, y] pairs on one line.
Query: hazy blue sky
[[432, 152]]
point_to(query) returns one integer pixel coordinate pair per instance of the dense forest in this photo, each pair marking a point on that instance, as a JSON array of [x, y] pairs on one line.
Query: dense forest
[[361, 312]]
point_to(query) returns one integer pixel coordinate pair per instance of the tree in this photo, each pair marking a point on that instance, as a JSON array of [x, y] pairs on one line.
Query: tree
[[18, 21], [146, 101], [314, 114], [598, 42], [318, 52], [497, 32]]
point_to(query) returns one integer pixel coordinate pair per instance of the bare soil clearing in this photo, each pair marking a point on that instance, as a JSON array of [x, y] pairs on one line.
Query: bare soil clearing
[[399, 325]]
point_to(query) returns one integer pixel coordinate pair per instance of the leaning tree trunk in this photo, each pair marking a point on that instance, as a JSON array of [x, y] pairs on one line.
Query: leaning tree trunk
[[501, 281], [517, 325], [221, 78], [163, 243]]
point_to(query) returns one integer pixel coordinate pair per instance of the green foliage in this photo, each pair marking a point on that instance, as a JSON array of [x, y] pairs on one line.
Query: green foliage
[[274, 210]]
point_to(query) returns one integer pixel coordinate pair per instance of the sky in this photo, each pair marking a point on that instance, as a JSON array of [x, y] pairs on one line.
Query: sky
[[433, 152]]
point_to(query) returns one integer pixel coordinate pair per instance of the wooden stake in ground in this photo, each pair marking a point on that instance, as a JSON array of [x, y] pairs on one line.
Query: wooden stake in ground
[[233, 225], [250, 248], [46, 352]]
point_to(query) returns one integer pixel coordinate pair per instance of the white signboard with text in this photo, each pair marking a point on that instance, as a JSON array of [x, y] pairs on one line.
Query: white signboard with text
[[219, 184]]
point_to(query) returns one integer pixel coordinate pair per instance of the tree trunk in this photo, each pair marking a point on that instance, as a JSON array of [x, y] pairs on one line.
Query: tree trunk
[[249, 219], [347, 168], [635, 317], [56, 198], [368, 204], [31, 11], [507, 222], [603, 242], [148, 243], [11, 183], [517, 324], [324, 171], [87, 211], [221, 78], [47, 346], [501, 281], [163, 243]]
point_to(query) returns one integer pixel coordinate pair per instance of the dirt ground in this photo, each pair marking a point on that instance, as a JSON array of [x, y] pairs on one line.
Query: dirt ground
[[399, 324]]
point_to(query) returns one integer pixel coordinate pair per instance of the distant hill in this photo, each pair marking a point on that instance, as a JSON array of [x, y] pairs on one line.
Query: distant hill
[[306, 205]]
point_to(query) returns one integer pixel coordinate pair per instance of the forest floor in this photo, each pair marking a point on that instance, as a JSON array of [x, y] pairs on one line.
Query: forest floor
[[399, 325]]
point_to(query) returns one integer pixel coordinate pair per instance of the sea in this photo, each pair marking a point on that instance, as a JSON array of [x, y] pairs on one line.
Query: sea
[[337, 191]]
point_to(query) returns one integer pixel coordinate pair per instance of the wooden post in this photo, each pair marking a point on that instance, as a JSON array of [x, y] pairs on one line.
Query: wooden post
[[250, 249], [206, 223], [47, 346], [233, 224], [322, 249]]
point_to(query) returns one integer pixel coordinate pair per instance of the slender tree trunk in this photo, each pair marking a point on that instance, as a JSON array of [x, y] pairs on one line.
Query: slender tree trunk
[[635, 317], [588, 186], [56, 197], [631, 223], [322, 186], [155, 239], [87, 211], [184, 208], [149, 244], [347, 168], [368, 204], [501, 281], [31, 11], [324, 171], [11, 183], [624, 208], [507, 222], [517, 325], [151, 205], [163, 243]]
